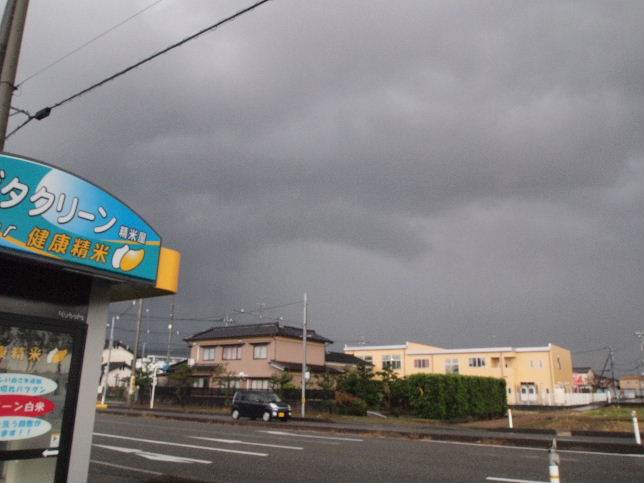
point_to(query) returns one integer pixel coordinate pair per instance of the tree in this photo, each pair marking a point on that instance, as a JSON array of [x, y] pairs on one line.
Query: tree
[[388, 380], [361, 383], [182, 378], [282, 381]]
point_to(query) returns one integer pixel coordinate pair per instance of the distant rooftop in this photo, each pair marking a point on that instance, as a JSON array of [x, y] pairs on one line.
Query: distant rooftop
[[342, 358], [271, 329], [582, 369]]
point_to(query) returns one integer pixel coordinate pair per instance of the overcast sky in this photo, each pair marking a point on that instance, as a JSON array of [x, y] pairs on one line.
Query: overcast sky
[[457, 173]]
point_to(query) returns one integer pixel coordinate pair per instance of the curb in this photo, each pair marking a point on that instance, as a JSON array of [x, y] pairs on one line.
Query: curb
[[591, 446]]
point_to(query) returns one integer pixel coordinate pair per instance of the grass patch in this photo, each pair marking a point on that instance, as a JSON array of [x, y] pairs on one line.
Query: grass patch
[[609, 418]]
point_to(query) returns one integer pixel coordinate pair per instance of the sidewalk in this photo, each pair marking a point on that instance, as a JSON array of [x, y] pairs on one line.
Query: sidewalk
[[541, 439]]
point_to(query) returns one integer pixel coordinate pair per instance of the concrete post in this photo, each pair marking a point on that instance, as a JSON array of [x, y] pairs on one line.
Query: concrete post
[[636, 428], [86, 406], [553, 462], [510, 424]]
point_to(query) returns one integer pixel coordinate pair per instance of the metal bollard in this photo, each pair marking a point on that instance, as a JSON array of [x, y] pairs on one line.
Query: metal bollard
[[510, 425], [553, 462], [636, 428]]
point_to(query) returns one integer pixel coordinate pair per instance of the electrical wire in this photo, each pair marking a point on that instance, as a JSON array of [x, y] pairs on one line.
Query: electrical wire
[[137, 64], [90, 41]]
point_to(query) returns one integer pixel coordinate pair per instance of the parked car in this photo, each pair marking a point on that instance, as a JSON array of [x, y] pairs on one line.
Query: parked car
[[259, 404]]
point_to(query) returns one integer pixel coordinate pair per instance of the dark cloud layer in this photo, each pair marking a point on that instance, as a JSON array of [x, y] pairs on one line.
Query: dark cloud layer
[[461, 173]]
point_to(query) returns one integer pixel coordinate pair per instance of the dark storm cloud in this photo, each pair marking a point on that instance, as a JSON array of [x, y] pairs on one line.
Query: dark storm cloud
[[476, 165]]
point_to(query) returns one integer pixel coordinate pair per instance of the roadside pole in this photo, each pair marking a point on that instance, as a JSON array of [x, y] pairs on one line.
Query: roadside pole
[[106, 371], [135, 351], [553, 462], [154, 386], [304, 334], [510, 424], [636, 428], [170, 327], [16, 26]]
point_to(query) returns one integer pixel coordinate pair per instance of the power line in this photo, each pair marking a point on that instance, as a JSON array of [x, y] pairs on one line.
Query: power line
[[90, 41], [47, 110]]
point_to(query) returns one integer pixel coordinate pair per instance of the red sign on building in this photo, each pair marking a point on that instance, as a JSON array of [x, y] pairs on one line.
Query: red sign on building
[[19, 405]]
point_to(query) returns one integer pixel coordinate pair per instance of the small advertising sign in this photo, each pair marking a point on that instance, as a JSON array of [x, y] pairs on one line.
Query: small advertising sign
[[49, 213], [27, 384], [18, 405], [13, 428]]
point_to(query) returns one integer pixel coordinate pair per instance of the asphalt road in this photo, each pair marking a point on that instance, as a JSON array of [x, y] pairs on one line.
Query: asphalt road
[[135, 449]]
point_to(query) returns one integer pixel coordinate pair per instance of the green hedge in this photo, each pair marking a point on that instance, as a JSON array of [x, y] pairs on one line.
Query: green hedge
[[439, 396]]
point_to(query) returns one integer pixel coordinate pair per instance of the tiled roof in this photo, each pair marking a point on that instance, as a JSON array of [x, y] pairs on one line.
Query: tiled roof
[[271, 329], [341, 358], [297, 367]]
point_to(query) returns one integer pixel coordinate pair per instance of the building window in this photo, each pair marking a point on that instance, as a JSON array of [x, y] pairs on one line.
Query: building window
[[538, 364], [232, 352], [260, 351], [208, 353], [558, 363], [391, 362], [476, 362], [421, 363], [451, 366], [368, 359], [259, 384]]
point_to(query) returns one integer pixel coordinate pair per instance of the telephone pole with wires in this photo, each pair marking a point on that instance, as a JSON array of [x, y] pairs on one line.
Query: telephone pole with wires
[[11, 29]]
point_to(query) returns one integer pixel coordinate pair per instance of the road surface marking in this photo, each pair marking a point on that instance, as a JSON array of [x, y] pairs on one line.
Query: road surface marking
[[530, 448], [128, 468], [284, 433], [513, 480], [153, 456], [236, 441], [181, 445]]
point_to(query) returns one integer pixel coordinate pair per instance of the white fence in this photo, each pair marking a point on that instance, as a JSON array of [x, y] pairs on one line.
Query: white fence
[[579, 398], [562, 398]]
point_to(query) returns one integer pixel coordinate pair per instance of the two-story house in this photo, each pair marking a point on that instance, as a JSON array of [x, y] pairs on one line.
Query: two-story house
[[534, 375], [247, 356]]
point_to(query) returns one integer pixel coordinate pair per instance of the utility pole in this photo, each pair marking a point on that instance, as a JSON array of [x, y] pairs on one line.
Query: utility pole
[[170, 326], [106, 371], [147, 332], [135, 352], [5, 28], [640, 335], [612, 371], [304, 334], [13, 25]]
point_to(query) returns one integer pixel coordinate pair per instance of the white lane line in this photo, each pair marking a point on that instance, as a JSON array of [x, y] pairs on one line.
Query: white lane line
[[148, 455], [127, 468], [236, 441], [284, 433], [181, 445], [513, 480], [530, 448]]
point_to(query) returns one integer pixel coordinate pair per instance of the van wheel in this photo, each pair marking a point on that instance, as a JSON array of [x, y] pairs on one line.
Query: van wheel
[[266, 417], [235, 414]]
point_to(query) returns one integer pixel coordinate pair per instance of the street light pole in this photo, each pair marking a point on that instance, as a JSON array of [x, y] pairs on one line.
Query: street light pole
[[106, 371], [14, 23], [304, 334]]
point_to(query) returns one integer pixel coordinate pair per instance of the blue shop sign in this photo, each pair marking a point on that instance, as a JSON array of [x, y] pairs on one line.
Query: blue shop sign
[[49, 213]]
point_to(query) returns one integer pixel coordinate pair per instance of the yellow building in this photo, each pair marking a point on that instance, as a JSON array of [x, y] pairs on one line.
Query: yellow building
[[533, 375]]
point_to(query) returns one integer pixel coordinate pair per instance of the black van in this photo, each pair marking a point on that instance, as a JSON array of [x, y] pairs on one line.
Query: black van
[[259, 404]]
